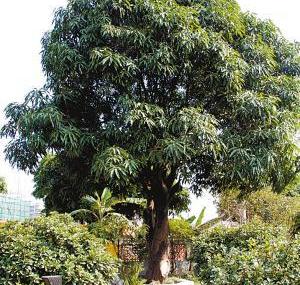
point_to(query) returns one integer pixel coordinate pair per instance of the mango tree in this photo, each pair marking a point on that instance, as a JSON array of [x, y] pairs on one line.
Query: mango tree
[[145, 96]]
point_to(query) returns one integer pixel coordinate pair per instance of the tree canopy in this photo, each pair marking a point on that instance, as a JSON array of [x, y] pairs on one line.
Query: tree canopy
[[195, 89], [144, 96]]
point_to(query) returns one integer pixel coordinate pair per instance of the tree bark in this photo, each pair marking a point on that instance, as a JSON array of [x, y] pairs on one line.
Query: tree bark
[[149, 218], [158, 262]]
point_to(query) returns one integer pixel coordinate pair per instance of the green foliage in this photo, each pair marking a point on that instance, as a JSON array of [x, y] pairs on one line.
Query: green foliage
[[266, 205], [296, 224], [105, 223], [293, 188], [197, 222], [116, 227], [130, 272], [200, 218], [193, 91], [146, 96], [97, 207], [50, 246], [181, 229], [60, 185], [111, 228], [3, 185], [255, 253]]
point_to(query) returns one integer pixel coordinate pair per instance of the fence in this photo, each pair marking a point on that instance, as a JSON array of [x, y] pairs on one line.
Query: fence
[[179, 251]]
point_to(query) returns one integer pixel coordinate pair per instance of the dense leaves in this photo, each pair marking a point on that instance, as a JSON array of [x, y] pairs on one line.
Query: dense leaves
[[146, 96], [191, 90], [270, 207], [181, 230], [252, 254], [296, 224], [53, 245]]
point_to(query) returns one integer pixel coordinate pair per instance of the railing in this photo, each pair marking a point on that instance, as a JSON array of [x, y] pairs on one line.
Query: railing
[[132, 251]]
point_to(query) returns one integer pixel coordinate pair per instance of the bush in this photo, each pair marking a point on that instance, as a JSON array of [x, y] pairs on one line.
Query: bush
[[3, 186], [50, 246], [255, 253], [265, 205], [116, 227], [130, 273], [111, 228], [296, 225], [180, 229]]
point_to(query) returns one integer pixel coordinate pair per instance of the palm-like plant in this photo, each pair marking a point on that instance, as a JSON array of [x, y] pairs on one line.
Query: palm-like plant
[[199, 225], [197, 222], [98, 206]]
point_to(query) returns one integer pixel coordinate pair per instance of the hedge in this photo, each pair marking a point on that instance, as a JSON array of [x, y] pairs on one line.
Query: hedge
[[50, 246], [255, 253]]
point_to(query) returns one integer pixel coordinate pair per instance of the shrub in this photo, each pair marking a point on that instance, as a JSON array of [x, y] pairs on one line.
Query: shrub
[[110, 228], [255, 253], [130, 273], [265, 205], [49, 246], [3, 185], [180, 229], [296, 225], [115, 227]]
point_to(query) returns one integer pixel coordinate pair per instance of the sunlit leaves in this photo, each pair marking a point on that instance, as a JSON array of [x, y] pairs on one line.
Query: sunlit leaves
[[171, 151], [106, 58], [115, 165], [128, 36], [120, 6], [62, 60], [287, 88], [160, 61], [256, 108], [69, 136], [142, 115], [222, 16], [197, 129]]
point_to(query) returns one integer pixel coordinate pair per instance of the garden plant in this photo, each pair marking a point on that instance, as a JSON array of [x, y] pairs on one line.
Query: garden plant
[[53, 245], [255, 253]]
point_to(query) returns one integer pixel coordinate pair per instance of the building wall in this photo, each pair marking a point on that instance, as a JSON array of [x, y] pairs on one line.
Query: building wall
[[16, 208]]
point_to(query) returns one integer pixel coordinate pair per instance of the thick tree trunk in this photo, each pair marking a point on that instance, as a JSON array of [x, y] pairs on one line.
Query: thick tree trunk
[[158, 262]]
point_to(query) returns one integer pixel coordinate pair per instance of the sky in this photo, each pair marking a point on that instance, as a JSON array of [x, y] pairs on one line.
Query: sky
[[22, 25]]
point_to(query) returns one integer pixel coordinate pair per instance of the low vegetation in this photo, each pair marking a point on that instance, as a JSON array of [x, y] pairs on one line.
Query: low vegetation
[[264, 204], [53, 245], [255, 253]]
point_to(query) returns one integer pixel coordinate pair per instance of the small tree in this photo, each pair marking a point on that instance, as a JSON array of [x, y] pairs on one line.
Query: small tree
[[144, 96], [3, 185]]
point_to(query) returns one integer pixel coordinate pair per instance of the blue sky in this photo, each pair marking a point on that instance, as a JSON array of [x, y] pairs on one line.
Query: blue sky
[[22, 24]]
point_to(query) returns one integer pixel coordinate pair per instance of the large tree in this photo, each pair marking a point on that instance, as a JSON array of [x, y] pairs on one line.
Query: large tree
[[144, 96]]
